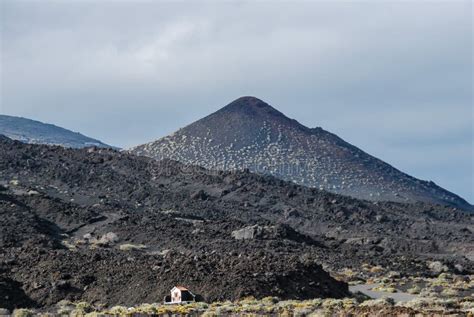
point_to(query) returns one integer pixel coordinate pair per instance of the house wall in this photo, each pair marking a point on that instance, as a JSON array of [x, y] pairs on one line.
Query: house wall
[[175, 295]]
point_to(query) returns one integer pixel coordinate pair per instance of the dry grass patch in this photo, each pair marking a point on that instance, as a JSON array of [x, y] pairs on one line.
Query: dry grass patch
[[132, 247]]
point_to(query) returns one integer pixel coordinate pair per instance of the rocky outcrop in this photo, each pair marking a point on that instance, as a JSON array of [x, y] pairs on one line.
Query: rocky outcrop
[[275, 232]]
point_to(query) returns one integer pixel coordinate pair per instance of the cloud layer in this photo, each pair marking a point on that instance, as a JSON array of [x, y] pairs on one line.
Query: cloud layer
[[394, 78]]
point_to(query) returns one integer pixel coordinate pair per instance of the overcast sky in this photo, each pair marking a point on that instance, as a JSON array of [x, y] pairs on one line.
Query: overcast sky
[[393, 78]]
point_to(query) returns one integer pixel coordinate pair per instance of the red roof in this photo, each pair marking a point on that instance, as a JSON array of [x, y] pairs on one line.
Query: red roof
[[181, 288]]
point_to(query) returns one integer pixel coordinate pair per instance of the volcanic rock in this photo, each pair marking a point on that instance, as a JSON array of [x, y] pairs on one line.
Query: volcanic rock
[[250, 134], [50, 250]]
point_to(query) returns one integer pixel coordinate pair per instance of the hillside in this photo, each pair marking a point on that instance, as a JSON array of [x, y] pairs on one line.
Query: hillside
[[114, 228], [248, 133], [31, 131]]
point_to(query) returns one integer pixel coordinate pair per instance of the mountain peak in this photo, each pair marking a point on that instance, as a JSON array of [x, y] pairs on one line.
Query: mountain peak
[[249, 105], [250, 101], [249, 133]]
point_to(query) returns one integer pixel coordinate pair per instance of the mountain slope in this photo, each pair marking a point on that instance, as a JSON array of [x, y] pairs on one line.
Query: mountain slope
[[31, 131], [67, 214], [248, 133]]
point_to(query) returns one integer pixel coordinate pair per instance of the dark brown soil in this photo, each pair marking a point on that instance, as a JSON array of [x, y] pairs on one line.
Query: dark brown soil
[[57, 205]]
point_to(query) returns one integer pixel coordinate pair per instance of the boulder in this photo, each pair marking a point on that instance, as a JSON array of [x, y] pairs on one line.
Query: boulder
[[247, 233]]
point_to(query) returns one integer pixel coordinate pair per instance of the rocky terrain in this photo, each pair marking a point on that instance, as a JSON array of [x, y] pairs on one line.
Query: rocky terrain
[[248, 133], [31, 131], [112, 228]]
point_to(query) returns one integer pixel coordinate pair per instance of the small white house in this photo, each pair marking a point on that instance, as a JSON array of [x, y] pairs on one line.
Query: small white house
[[180, 295]]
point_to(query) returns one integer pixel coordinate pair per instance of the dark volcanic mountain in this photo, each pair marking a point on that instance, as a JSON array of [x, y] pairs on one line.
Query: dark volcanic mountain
[[110, 228], [248, 133], [31, 131]]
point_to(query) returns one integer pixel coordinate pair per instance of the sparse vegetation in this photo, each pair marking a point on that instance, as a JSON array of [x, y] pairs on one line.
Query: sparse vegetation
[[385, 288], [381, 302], [414, 290], [22, 313], [70, 246], [272, 306]]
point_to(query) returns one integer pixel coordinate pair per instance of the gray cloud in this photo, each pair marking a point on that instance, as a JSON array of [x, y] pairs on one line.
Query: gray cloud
[[394, 78]]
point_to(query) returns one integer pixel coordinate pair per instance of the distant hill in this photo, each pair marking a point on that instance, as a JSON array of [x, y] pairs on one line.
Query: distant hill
[[31, 131], [249, 133]]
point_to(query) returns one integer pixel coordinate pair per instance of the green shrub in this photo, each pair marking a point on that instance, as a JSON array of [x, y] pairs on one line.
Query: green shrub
[[384, 301], [77, 313], [414, 290], [22, 313], [270, 300], [85, 306], [118, 310], [94, 314]]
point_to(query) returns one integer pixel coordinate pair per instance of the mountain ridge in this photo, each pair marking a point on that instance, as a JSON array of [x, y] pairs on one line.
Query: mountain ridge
[[249, 133], [37, 132]]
